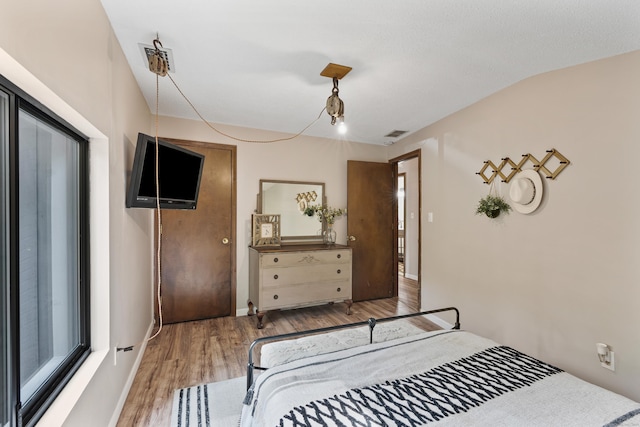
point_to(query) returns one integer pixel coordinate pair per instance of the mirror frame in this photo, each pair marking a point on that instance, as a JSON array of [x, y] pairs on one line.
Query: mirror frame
[[294, 239]]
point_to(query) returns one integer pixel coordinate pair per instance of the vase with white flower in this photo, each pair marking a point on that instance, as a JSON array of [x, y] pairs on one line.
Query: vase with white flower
[[327, 215]]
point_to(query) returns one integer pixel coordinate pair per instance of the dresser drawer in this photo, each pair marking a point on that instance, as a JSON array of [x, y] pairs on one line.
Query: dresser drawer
[[293, 296], [304, 274], [294, 259]]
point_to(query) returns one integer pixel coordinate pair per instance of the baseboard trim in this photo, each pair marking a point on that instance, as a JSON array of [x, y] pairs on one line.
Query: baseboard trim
[[411, 276], [438, 321], [132, 375]]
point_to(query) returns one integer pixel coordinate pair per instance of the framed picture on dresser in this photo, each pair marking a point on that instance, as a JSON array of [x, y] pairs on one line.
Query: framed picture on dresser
[[266, 230]]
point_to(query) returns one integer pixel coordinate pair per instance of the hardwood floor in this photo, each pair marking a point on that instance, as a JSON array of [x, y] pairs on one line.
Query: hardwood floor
[[191, 353], [408, 289]]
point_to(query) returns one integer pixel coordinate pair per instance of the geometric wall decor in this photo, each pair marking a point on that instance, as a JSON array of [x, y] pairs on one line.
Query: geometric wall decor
[[304, 200], [489, 171], [308, 197]]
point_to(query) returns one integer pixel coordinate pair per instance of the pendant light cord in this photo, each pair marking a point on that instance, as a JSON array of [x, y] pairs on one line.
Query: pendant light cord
[[157, 185], [158, 219], [159, 234], [267, 141]]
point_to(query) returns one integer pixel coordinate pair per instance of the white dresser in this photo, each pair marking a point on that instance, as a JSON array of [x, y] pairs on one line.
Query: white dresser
[[297, 276]]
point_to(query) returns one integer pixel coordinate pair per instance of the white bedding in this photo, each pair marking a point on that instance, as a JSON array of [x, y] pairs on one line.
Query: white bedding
[[444, 377]]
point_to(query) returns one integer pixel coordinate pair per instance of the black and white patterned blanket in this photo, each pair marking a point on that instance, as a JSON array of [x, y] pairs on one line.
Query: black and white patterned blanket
[[444, 377]]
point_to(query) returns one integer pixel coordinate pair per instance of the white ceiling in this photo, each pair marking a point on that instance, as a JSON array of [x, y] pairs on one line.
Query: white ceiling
[[257, 63]]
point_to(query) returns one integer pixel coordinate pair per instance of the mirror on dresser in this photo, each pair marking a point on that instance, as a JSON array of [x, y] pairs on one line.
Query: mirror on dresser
[[289, 199]]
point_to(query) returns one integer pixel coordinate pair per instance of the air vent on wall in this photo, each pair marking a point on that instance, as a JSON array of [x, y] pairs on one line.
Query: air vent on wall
[[395, 133], [147, 50]]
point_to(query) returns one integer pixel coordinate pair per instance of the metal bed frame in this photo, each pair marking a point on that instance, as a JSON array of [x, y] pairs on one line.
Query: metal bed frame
[[371, 322]]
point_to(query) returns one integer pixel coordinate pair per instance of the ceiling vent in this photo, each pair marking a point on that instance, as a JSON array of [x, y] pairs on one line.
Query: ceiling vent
[[147, 50], [396, 133]]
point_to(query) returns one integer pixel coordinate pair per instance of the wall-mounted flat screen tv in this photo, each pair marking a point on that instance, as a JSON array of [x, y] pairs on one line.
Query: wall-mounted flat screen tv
[[179, 173]]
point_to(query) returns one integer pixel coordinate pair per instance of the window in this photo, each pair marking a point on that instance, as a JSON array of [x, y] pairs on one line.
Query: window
[[5, 381], [47, 330]]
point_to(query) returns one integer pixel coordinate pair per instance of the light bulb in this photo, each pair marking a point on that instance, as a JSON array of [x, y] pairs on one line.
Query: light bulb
[[342, 127]]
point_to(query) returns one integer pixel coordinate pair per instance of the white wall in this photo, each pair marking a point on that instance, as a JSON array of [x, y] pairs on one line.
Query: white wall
[[556, 282]]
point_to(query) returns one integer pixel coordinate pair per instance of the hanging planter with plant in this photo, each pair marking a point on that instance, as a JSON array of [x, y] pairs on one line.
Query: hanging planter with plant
[[492, 204]]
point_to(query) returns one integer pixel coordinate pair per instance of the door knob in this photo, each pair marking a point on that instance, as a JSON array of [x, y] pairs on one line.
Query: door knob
[[351, 238], [225, 241]]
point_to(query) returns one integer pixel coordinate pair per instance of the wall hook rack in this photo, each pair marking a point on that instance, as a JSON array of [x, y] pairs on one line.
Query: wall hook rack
[[514, 168]]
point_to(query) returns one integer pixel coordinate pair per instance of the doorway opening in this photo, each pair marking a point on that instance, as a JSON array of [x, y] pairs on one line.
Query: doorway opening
[[401, 220], [408, 227]]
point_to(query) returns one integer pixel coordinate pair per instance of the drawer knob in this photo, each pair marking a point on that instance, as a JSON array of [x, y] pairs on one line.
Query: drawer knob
[[339, 271], [275, 276], [275, 260], [339, 289], [275, 297], [339, 256]]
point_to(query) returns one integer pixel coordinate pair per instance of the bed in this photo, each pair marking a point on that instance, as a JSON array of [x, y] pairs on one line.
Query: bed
[[445, 377]]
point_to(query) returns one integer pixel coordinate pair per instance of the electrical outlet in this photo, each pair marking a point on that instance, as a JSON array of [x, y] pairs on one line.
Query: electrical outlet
[[115, 355], [606, 356], [611, 365]]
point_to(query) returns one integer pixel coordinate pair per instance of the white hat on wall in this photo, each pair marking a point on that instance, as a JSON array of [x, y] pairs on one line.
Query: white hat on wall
[[526, 191]]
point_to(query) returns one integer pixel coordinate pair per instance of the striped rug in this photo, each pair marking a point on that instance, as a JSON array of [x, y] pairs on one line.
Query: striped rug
[[209, 405]]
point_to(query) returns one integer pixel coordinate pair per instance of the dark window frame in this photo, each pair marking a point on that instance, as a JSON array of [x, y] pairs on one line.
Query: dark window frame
[[31, 412]]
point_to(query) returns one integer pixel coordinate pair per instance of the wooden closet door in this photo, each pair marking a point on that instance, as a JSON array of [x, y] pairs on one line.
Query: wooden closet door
[[198, 249]]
